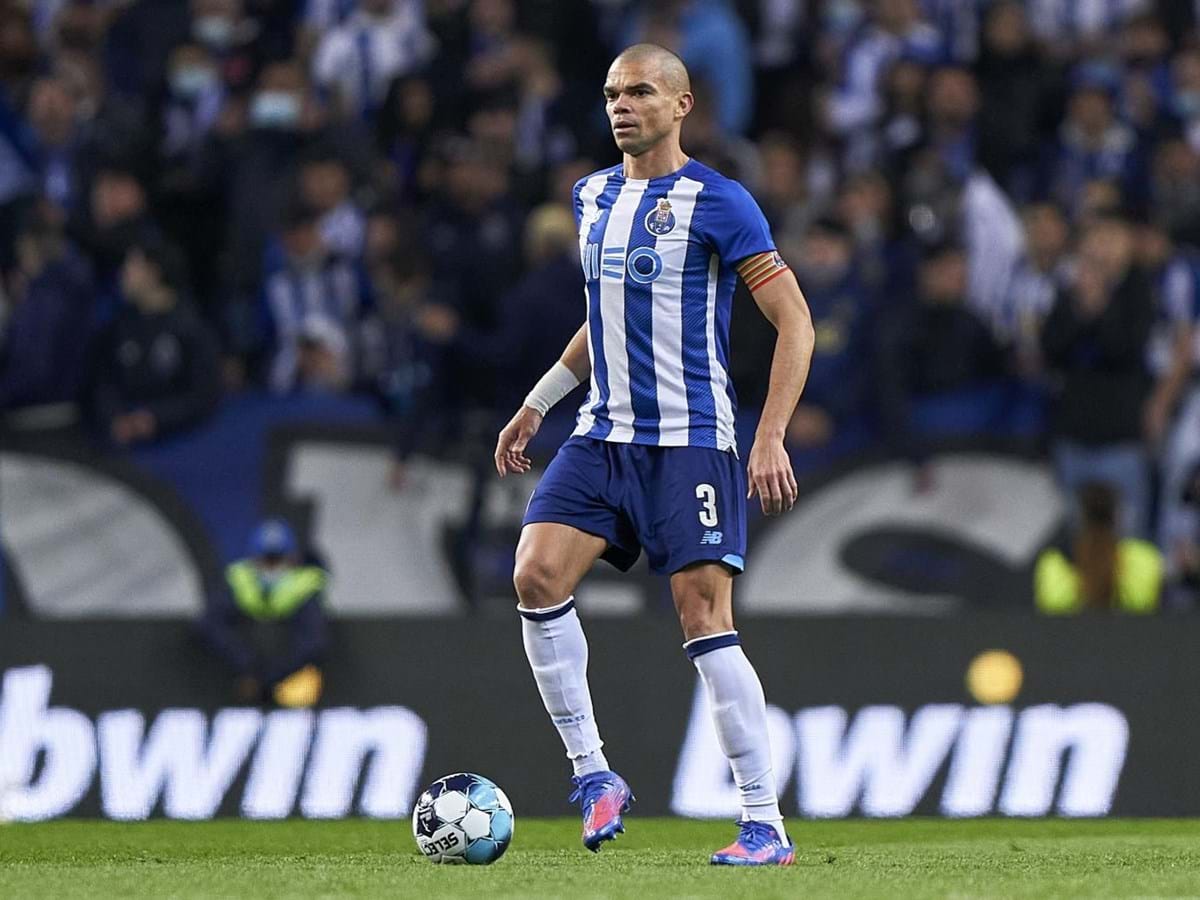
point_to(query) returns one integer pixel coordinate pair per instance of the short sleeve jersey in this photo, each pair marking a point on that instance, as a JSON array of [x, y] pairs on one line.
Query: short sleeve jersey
[[659, 259]]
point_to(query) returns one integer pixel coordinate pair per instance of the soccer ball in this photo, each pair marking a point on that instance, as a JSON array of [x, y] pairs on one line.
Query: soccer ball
[[463, 818]]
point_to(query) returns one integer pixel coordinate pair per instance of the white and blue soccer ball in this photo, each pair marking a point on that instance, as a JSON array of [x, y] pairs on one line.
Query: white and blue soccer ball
[[463, 818]]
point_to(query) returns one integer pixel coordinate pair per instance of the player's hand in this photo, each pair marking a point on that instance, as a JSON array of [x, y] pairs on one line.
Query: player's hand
[[769, 472], [515, 436]]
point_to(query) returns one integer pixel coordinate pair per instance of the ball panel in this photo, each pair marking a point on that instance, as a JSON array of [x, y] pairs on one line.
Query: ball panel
[[503, 799], [451, 806], [483, 795], [459, 781], [502, 826], [482, 851], [476, 824]]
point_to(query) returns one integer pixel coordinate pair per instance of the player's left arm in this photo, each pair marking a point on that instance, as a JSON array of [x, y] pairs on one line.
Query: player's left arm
[[775, 290]]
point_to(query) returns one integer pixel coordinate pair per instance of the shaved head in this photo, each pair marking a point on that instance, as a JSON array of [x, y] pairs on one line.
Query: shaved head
[[669, 67]]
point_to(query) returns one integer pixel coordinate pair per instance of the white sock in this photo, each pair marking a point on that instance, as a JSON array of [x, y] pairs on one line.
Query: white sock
[[739, 711], [558, 655]]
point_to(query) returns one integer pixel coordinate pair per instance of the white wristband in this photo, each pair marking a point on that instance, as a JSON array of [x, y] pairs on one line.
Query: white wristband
[[552, 387]]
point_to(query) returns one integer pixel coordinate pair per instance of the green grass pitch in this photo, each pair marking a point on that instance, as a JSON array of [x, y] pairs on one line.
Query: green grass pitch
[[657, 858]]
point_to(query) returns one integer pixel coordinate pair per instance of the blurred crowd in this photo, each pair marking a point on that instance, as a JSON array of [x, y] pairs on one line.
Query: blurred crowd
[[992, 207]]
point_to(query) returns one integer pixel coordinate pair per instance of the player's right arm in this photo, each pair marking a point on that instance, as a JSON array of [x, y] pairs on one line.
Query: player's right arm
[[572, 368]]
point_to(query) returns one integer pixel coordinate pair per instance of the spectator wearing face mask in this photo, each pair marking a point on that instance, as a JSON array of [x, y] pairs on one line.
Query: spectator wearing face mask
[[258, 167], [195, 96], [269, 628]]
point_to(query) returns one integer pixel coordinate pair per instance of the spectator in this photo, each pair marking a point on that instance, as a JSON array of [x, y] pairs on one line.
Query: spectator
[[783, 191], [713, 43], [902, 124], [1017, 99], [948, 198], [958, 24], [153, 371], [1175, 189], [1182, 544], [18, 143], [510, 346], [1094, 340], [549, 113], [934, 346], [1069, 29], [406, 376], [896, 28], [314, 302], [1098, 569], [357, 60], [55, 117], [1146, 89], [257, 167], [1185, 93], [44, 338], [473, 240], [233, 38], [117, 218], [837, 391], [326, 188], [276, 588], [1093, 143], [1172, 417], [883, 254], [1040, 275], [196, 110], [403, 132], [708, 142], [551, 251], [194, 101]]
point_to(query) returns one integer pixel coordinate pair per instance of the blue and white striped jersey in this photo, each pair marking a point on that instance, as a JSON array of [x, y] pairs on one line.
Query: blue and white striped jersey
[[658, 259]]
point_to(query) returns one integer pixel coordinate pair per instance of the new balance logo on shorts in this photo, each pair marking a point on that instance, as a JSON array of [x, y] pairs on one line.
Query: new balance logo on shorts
[[712, 537]]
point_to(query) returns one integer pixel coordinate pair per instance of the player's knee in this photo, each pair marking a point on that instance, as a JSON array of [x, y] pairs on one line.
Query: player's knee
[[535, 584]]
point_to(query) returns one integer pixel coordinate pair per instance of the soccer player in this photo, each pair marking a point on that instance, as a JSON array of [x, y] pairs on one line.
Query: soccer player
[[652, 462]]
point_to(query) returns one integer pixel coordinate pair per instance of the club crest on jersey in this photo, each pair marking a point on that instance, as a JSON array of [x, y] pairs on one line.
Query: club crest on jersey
[[661, 220]]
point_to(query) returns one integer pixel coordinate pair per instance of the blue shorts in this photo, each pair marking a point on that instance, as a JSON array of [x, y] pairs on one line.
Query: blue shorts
[[682, 504]]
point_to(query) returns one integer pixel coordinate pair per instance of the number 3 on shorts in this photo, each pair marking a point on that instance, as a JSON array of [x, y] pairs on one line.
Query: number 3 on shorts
[[707, 496]]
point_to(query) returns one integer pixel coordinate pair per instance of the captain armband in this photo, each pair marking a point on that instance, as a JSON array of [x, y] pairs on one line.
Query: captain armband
[[760, 268]]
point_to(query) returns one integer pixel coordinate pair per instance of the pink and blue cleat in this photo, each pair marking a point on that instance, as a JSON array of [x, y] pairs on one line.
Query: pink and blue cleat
[[602, 796], [758, 844]]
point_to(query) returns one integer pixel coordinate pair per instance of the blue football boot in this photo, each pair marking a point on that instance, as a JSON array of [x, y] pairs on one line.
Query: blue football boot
[[757, 845], [602, 796]]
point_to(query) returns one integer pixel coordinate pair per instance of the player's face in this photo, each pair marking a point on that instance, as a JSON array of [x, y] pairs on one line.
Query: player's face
[[641, 109]]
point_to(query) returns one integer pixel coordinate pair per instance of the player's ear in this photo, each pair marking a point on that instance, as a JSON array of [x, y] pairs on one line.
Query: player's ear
[[684, 104]]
